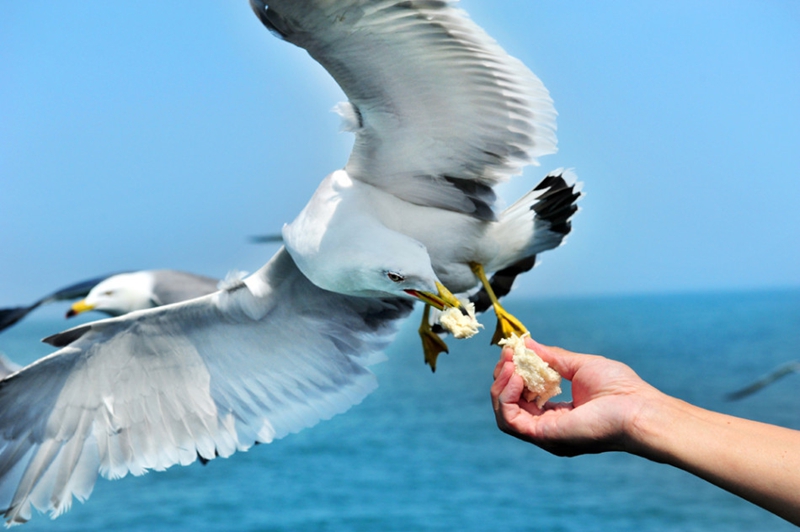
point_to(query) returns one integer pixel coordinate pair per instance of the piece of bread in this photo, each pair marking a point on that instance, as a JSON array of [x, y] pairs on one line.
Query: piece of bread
[[541, 381], [459, 324]]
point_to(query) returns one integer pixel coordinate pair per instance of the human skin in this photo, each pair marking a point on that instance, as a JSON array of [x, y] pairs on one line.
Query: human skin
[[613, 409]]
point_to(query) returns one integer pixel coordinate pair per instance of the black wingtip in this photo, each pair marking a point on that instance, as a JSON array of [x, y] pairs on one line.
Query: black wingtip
[[10, 316], [65, 338], [271, 20], [557, 204]]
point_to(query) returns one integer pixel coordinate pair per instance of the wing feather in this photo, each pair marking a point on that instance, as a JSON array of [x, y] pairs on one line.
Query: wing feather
[[203, 378], [435, 96]]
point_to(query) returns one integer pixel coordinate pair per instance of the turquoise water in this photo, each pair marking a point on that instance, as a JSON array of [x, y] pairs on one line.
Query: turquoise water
[[423, 452]]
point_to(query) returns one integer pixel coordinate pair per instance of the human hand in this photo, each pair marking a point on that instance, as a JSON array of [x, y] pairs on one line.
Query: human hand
[[607, 398]]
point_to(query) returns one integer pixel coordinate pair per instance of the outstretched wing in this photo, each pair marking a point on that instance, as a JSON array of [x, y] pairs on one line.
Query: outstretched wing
[[440, 111], [206, 377]]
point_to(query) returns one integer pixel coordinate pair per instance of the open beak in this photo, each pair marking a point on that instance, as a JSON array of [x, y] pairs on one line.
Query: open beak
[[444, 299], [78, 307]]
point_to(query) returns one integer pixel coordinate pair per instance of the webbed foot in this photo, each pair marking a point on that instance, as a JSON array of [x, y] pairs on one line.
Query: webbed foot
[[432, 344]]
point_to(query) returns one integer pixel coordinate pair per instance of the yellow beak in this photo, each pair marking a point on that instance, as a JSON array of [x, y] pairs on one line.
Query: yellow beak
[[78, 307], [441, 301]]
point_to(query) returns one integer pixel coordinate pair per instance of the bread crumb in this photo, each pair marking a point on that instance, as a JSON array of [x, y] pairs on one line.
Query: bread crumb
[[541, 381], [459, 324]]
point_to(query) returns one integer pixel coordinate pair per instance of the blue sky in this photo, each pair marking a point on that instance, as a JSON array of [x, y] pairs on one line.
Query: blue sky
[[161, 134]]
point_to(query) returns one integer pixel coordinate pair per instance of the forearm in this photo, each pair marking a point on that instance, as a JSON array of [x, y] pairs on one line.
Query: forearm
[[758, 462]]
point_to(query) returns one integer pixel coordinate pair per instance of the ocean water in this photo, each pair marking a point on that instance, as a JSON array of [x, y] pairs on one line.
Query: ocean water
[[423, 452]]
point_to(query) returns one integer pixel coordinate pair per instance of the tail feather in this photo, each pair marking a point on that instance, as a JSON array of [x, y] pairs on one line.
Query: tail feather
[[557, 205]]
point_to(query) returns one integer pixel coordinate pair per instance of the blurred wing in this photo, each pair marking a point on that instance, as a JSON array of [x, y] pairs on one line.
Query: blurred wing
[[10, 316], [206, 377], [266, 239], [440, 111], [172, 286], [778, 373]]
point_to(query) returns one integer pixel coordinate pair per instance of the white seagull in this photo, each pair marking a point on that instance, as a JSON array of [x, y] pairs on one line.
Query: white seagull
[[120, 293], [441, 114], [126, 292]]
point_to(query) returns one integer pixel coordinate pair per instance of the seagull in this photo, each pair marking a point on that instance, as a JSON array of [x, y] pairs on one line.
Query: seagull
[[11, 315], [441, 114], [120, 293], [126, 292], [779, 372]]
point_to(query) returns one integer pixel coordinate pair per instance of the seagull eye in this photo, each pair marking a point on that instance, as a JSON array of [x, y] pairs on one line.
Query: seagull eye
[[108, 293], [395, 277]]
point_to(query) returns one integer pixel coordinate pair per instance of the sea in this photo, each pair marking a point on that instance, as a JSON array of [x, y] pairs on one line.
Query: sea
[[423, 452]]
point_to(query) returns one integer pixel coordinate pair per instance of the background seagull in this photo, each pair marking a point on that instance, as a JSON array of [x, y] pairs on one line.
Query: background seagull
[[11, 315], [441, 114], [120, 293], [126, 292], [777, 373]]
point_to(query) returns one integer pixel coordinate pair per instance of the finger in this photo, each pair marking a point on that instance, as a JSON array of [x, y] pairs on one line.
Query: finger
[[505, 395], [566, 363], [501, 381], [506, 354]]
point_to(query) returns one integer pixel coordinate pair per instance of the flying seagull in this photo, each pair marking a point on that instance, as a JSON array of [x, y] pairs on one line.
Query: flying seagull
[[779, 372], [441, 114], [121, 293]]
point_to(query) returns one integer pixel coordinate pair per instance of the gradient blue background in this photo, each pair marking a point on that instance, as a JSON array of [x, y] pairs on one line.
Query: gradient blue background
[[161, 134]]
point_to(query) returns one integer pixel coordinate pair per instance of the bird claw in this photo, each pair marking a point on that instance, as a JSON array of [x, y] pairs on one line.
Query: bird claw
[[506, 325], [432, 346]]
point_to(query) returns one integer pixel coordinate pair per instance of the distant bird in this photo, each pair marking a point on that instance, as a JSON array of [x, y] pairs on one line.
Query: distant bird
[[267, 239], [779, 372], [441, 114], [120, 293]]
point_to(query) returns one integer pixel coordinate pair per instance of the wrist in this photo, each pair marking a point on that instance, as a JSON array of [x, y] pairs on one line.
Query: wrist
[[656, 423]]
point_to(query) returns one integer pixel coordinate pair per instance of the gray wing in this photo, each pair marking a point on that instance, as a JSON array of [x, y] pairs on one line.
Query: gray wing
[[206, 377], [172, 286], [440, 111]]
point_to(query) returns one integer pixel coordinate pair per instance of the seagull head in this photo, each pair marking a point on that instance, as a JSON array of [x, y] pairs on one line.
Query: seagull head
[[381, 263], [117, 295], [399, 267]]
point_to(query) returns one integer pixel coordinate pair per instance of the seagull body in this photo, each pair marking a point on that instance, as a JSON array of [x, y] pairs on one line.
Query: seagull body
[[449, 240], [441, 114]]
